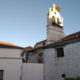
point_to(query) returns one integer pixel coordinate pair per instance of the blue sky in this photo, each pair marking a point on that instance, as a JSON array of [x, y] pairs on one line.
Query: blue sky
[[23, 22]]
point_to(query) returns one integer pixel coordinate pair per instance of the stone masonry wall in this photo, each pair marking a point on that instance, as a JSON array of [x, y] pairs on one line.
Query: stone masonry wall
[[68, 65]]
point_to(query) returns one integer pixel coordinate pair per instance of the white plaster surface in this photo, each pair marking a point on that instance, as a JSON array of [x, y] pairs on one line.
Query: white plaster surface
[[12, 69], [68, 65], [10, 53], [54, 33], [10, 62], [32, 71]]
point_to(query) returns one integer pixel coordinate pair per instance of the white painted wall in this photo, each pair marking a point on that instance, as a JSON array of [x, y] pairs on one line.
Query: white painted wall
[[49, 64], [10, 53], [54, 33], [12, 68], [69, 64], [32, 71], [10, 62]]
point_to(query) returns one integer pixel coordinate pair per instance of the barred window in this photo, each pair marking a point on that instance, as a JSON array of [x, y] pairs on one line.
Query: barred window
[[60, 52]]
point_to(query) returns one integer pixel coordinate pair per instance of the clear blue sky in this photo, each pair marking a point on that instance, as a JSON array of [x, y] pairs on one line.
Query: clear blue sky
[[23, 22]]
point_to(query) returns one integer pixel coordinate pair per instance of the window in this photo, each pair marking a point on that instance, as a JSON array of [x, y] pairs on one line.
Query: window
[[53, 18], [60, 52], [43, 43], [1, 74], [58, 21], [51, 9]]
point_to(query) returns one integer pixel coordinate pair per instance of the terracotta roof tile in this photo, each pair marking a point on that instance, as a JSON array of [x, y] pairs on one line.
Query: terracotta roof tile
[[66, 38], [8, 45]]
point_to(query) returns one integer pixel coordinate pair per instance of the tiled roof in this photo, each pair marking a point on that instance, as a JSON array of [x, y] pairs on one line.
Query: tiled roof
[[41, 41], [9, 45], [44, 41], [66, 40]]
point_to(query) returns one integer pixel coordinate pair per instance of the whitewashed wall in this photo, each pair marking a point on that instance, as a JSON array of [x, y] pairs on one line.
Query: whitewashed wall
[[49, 64], [68, 65], [32, 71], [12, 69], [10, 53], [10, 62], [54, 33]]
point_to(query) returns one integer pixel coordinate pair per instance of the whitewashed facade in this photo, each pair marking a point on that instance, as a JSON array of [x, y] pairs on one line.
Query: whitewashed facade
[[32, 71], [69, 65], [55, 67], [10, 63], [13, 68]]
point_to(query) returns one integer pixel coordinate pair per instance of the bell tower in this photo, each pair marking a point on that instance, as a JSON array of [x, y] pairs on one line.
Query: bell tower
[[55, 29]]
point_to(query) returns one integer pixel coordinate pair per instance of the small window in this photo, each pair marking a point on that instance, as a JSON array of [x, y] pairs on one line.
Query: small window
[[60, 52], [51, 9], [1, 74], [58, 21], [43, 43]]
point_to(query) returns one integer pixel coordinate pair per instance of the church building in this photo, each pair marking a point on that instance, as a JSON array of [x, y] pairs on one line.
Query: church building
[[59, 53], [56, 58]]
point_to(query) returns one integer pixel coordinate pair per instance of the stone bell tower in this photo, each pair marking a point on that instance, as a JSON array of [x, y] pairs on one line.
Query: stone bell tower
[[54, 24]]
